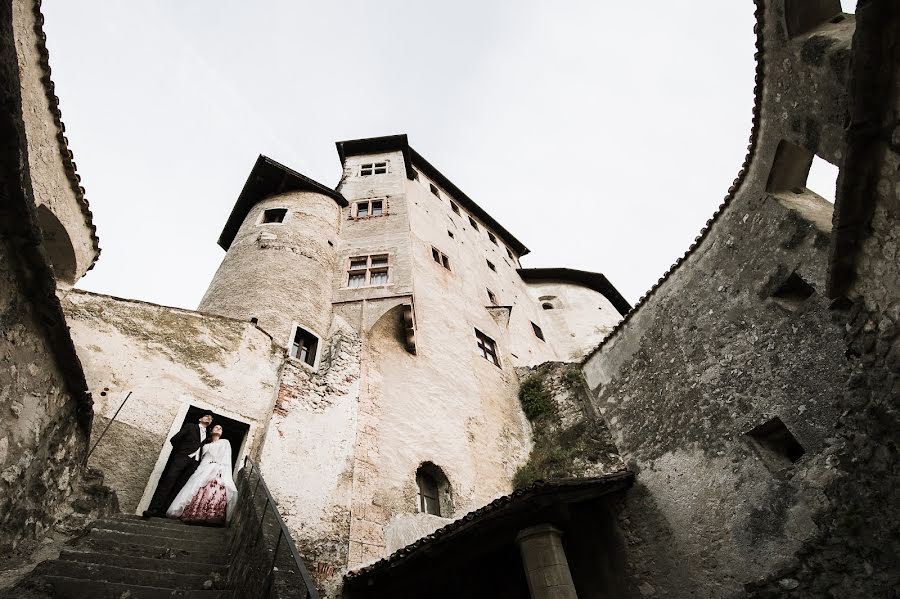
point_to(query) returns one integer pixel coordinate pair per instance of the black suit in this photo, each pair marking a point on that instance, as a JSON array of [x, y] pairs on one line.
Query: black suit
[[179, 468]]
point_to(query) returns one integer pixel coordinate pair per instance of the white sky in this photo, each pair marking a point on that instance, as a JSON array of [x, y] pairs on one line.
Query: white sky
[[602, 134]]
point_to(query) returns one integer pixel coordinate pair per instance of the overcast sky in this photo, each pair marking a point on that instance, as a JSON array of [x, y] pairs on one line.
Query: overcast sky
[[602, 134]]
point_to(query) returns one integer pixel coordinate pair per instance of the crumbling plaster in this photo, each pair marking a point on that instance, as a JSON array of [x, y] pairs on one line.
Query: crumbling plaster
[[169, 359]]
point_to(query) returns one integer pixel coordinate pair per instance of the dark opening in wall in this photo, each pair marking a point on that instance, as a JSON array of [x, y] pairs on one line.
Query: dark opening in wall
[[775, 444], [274, 215], [793, 292], [304, 346], [433, 493], [801, 16]]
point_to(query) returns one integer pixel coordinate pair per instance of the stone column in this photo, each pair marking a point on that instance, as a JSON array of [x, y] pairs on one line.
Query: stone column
[[546, 567]]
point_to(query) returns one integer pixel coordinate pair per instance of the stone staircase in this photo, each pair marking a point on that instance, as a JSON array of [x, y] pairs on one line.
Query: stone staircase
[[128, 557]]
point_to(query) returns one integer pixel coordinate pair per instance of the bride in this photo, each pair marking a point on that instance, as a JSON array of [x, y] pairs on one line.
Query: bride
[[209, 496]]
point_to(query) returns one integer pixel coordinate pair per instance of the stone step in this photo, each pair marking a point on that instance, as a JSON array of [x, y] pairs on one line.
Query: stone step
[[178, 566], [200, 534], [146, 578], [112, 541], [74, 588], [166, 522]]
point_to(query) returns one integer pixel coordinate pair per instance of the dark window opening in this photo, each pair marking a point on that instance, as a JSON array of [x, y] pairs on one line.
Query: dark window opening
[[492, 238], [491, 265], [793, 292], [274, 215], [487, 347], [304, 346], [450, 233], [454, 207], [537, 331], [802, 16], [473, 223], [434, 189], [547, 306], [440, 258], [491, 297], [775, 444], [510, 254], [372, 168]]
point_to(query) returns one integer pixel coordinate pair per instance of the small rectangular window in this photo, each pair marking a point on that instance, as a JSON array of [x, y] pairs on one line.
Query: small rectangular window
[[376, 207], [441, 258], [362, 209], [487, 347], [454, 206], [492, 238], [274, 215], [368, 270], [537, 331], [473, 223], [372, 168], [378, 277], [367, 208], [434, 189], [491, 265], [304, 346], [491, 297]]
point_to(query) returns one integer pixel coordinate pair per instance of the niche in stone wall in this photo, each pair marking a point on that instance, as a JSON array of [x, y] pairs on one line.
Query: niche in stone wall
[[775, 444], [793, 292], [58, 245], [794, 170]]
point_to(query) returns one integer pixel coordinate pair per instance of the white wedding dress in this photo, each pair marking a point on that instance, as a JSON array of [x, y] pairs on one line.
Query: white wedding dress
[[198, 494]]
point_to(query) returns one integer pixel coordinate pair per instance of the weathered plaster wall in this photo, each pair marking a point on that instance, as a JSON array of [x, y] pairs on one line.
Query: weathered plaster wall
[[41, 442], [169, 359], [51, 180], [280, 273], [580, 320], [711, 354], [307, 455]]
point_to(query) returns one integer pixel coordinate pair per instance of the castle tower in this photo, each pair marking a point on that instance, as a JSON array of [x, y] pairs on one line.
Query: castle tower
[[280, 242]]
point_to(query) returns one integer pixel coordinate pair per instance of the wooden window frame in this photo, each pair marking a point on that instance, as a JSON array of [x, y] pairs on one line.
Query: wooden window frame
[[487, 347], [368, 269], [367, 169], [295, 349], [369, 205], [440, 258]]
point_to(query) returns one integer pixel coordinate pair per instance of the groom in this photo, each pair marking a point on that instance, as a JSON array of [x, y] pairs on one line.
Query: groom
[[182, 463]]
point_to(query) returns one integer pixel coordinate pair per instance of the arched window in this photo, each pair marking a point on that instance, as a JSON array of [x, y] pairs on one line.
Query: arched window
[[549, 302], [432, 491], [547, 306]]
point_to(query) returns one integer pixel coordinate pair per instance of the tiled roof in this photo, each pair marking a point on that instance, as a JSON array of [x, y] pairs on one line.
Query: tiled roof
[[595, 486], [67, 158], [751, 153]]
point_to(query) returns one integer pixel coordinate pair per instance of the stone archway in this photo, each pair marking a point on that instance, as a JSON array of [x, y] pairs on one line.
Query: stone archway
[[58, 246]]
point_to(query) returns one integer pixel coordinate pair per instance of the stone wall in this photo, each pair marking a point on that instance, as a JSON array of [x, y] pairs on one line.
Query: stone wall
[[69, 235], [169, 359], [752, 407]]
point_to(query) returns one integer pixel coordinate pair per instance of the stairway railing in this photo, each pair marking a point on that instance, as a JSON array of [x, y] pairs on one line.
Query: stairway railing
[[264, 560]]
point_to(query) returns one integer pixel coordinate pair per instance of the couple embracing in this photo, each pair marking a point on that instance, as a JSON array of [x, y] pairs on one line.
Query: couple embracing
[[196, 485]]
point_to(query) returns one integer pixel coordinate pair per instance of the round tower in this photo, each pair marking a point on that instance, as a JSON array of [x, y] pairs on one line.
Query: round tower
[[280, 254]]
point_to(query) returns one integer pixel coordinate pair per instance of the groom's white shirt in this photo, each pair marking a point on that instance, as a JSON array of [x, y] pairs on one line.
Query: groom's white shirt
[[196, 454]]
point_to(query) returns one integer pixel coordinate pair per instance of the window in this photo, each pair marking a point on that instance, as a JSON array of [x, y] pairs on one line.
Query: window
[[273, 215], [510, 254], [450, 233], [491, 265], [454, 206], [368, 270], [433, 494], [304, 345], [775, 444], [441, 258], [427, 495], [415, 175], [473, 223], [547, 306], [487, 348], [537, 331], [434, 189], [492, 238], [372, 168], [548, 302], [798, 172], [369, 208], [492, 298]]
